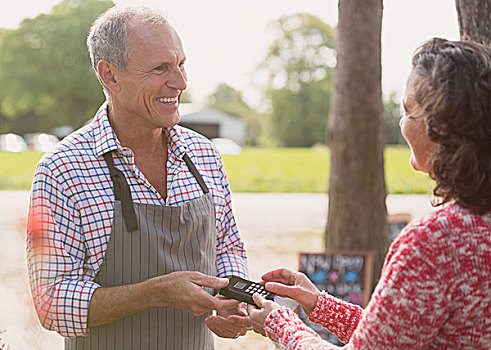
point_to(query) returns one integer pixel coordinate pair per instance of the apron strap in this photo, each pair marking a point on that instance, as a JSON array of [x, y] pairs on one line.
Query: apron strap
[[195, 173], [122, 192]]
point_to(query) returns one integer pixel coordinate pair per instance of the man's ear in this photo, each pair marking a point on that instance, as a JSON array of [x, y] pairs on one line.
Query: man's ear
[[108, 75]]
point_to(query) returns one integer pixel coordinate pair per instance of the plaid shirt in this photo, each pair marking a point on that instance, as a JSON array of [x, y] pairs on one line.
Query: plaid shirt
[[71, 211]]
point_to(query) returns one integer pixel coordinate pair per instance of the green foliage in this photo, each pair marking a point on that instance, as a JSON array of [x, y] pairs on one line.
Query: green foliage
[[392, 116], [45, 71], [228, 100], [300, 117], [299, 63], [258, 170], [302, 52]]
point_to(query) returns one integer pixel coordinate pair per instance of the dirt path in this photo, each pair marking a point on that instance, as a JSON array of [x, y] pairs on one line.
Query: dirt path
[[274, 227]]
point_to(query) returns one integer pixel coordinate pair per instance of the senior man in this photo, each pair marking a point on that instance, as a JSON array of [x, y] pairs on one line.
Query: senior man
[[130, 217]]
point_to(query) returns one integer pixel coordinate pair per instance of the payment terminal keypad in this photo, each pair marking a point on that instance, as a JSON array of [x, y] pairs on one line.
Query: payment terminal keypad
[[241, 289]]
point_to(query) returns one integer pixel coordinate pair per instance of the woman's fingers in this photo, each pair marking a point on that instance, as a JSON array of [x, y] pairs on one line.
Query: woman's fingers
[[281, 275], [258, 299], [282, 289], [258, 316], [305, 297]]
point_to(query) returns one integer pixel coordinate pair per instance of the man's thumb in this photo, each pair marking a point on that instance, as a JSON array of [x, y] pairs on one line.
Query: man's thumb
[[213, 282]]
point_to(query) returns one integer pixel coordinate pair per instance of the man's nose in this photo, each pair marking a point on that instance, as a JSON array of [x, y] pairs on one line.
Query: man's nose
[[178, 80]]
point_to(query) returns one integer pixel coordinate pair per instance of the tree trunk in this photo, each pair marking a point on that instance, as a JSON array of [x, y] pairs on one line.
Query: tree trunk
[[357, 215], [474, 20]]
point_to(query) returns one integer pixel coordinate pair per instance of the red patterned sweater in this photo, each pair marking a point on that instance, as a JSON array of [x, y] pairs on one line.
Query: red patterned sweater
[[434, 293]]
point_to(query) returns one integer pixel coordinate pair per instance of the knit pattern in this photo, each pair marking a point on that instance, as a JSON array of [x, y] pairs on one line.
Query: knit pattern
[[434, 293], [339, 317]]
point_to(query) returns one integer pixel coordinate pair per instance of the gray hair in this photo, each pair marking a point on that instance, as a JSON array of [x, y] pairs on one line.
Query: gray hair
[[108, 38]]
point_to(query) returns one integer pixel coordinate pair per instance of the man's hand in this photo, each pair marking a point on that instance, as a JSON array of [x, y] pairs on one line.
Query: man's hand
[[231, 323], [294, 285], [183, 290]]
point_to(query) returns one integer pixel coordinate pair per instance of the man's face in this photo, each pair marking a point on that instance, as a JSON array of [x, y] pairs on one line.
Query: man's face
[[153, 81]]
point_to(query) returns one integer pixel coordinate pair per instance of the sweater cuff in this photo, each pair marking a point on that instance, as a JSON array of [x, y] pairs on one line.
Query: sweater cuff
[[337, 316], [282, 324]]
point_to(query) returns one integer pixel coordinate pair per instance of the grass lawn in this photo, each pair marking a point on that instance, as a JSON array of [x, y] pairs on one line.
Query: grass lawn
[[257, 170], [307, 170], [16, 170]]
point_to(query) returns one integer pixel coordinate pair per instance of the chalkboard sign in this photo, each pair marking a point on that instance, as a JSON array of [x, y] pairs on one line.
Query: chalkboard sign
[[344, 274], [396, 223]]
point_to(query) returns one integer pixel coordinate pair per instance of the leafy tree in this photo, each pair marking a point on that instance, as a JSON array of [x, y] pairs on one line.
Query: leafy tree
[[300, 117], [357, 214], [299, 63], [45, 71], [228, 100]]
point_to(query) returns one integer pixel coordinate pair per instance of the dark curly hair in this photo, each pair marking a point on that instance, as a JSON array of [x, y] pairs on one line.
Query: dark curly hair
[[453, 88]]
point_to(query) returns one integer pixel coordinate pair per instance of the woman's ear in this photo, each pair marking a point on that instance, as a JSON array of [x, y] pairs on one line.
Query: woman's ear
[[107, 74]]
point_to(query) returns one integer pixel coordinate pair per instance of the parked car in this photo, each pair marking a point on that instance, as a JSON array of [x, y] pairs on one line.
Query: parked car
[[61, 131], [226, 146], [12, 143], [43, 143]]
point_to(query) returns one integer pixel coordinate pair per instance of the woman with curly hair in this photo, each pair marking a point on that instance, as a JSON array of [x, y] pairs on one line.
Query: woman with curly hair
[[435, 287]]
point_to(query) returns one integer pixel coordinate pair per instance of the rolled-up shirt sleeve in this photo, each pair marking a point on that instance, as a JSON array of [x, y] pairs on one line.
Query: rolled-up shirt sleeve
[[61, 285], [231, 254]]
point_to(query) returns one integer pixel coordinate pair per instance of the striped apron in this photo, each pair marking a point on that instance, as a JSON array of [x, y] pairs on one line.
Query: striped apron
[[147, 241]]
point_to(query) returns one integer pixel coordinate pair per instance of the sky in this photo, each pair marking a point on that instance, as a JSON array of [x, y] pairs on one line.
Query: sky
[[226, 40]]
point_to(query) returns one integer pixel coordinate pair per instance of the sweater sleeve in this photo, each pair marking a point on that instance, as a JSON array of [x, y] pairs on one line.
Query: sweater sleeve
[[284, 327], [337, 316]]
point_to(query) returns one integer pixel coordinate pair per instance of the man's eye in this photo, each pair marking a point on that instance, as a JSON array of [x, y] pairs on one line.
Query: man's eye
[[161, 68]]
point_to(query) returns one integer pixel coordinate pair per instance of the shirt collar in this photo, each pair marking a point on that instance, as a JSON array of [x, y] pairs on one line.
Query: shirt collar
[[175, 141], [106, 139], [104, 135]]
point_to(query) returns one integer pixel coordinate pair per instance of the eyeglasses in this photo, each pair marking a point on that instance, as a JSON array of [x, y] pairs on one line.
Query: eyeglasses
[[411, 117], [404, 113]]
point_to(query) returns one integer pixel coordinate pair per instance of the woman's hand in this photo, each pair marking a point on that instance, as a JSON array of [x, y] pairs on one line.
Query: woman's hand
[[258, 316], [294, 285]]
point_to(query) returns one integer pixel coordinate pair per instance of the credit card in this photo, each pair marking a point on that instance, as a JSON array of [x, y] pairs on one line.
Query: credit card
[[286, 302]]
